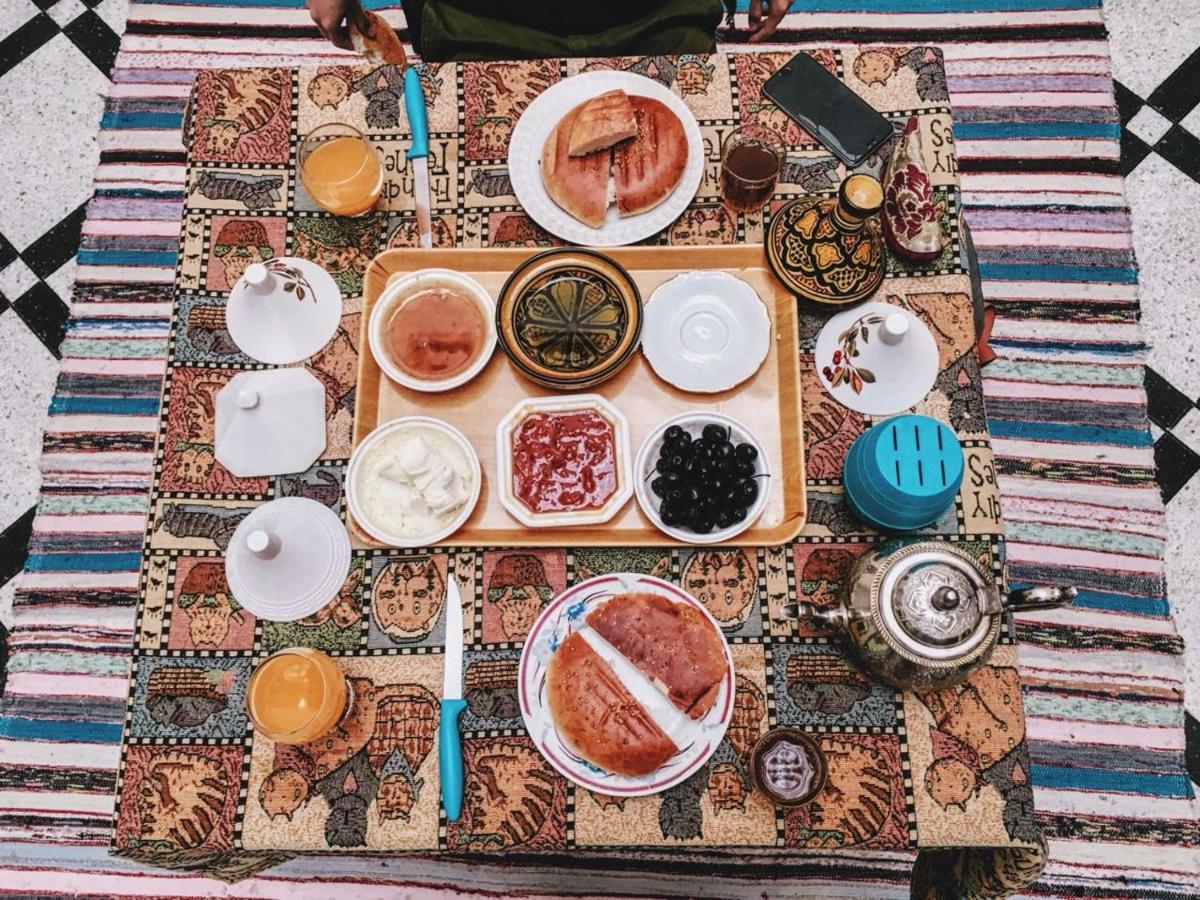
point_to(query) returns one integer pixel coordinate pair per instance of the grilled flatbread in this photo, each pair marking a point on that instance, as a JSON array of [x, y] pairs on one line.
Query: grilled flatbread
[[672, 644], [647, 168], [603, 121], [376, 40], [579, 184], [597, 715]]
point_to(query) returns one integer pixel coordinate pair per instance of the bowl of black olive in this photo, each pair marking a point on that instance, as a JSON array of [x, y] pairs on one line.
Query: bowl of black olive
[[702, 478]]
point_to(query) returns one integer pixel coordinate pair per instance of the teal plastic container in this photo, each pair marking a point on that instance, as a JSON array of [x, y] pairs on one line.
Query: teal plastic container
[[903, 473]]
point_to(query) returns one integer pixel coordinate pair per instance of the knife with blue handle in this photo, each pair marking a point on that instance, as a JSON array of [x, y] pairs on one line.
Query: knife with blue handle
[[450, 759], [418, 152]]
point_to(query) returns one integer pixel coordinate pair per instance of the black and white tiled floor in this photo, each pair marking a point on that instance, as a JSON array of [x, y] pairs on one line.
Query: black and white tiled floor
[[55, 56]]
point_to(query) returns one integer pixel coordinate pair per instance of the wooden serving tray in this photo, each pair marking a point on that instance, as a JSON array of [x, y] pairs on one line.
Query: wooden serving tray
[[768, 403]]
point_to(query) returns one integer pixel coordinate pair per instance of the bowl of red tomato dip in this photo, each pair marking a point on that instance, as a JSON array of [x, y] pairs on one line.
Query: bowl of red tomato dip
[[433, 329], [563, 461]]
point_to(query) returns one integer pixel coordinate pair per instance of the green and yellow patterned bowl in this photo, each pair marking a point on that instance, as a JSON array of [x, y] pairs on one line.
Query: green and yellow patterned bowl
[[569, 318]]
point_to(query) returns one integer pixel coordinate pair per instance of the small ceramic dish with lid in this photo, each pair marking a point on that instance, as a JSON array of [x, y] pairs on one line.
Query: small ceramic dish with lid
[[563, 461], [569, 318], [679, 469], [413, 481], [705, 332], [433, 330]]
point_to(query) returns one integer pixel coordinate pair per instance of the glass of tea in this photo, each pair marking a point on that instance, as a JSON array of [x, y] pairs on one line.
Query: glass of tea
[[297, 695], [750, 161], [340, 169]]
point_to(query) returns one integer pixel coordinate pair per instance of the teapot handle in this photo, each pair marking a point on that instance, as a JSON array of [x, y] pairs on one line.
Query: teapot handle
[[834, 616], [1041, 597]]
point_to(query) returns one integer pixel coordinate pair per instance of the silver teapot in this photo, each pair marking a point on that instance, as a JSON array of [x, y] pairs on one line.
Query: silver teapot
[[922, 616]]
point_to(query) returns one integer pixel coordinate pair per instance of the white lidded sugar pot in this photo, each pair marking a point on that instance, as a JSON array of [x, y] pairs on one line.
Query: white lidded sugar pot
[[924, 615]]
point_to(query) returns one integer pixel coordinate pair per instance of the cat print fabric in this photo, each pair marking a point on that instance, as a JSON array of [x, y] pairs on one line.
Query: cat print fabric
[[200, 789]]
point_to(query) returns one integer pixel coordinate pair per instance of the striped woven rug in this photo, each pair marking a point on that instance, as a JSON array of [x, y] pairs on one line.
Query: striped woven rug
[[1038, 146]]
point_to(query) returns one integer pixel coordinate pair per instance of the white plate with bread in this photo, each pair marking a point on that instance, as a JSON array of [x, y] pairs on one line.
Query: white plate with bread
[[606, 158], [626, 684]]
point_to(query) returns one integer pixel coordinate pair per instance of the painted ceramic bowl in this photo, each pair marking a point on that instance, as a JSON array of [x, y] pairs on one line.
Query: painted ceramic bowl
[[569, 318], [830, 249]]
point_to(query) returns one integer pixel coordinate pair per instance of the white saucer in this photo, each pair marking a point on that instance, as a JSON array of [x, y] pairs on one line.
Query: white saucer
[[288, 559], [705, 332], [275, 325], [270, 423], [897, 361]]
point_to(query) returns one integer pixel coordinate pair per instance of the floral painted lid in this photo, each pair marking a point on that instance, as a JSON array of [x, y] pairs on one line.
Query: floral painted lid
[[830, 249], [569, 318]]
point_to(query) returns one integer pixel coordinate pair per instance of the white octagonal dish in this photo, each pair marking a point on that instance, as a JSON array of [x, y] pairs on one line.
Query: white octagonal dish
[[504, 474], [270, 423]]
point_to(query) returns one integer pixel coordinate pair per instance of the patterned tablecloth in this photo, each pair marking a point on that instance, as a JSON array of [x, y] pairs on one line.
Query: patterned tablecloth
[[197, 787]]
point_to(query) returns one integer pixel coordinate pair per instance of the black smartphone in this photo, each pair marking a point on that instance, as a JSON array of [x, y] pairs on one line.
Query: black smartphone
[[828, 109]]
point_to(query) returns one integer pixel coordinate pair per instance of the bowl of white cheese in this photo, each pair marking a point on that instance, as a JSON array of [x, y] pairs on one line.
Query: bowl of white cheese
[[413, 481]]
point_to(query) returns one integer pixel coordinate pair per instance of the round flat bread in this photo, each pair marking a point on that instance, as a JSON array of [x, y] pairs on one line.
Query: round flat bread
[[598, 717], [647, 168], [579, 184]]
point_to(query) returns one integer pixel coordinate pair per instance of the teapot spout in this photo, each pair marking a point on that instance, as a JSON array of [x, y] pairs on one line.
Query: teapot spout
[[834, 616], [1040, 597]]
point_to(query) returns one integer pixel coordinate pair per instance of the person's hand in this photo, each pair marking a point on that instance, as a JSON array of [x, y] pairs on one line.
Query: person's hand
[[765, 16], [330, 16]]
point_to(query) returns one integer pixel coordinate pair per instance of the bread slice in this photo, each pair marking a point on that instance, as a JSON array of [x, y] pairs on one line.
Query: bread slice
[[377, 41], [598, 717], [672, 644], [648, 168], [603, 121], [579, 184]]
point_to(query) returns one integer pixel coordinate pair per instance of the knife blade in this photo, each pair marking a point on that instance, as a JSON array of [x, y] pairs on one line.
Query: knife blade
[[450, 760], [418, 152]]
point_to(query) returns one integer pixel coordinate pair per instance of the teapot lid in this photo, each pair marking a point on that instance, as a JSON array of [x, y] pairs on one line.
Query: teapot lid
[[937, 597]]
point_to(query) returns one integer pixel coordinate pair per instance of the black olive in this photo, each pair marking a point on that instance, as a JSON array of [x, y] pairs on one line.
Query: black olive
[[673, 433], [730, 466], [663, 465], [675, 494], [673, 478], [739, 514], [746, 452], [731, 498], [669, 513], [659, 486], [692, 492], [750, 491], [677, 463], [745, 468], [687, 513], [723, 450], [717, 484], [715, 433], [724, 518], [692, 467], [703, 525]]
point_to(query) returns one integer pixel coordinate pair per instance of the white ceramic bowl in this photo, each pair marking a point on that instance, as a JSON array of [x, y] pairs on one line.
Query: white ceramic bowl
[[504, 434], [415, 424], [404, 286], [693, 423], [705, 332]]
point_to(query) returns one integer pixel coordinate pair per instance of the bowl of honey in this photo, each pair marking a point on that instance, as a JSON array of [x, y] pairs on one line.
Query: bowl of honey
[[433, 330]]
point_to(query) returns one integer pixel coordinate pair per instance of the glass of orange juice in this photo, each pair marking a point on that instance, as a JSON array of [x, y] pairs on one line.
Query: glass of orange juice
[[340, 169], [297, 695]]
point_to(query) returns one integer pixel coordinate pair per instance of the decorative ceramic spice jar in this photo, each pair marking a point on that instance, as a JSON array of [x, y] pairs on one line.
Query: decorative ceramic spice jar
[[922, 616]]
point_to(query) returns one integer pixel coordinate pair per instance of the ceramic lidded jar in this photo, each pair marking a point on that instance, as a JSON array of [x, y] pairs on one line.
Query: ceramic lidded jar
[[922, 616], [830, 249]]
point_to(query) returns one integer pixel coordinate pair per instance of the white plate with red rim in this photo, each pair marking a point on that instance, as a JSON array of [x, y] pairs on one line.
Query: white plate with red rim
[[540, 118], [567, 613]]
